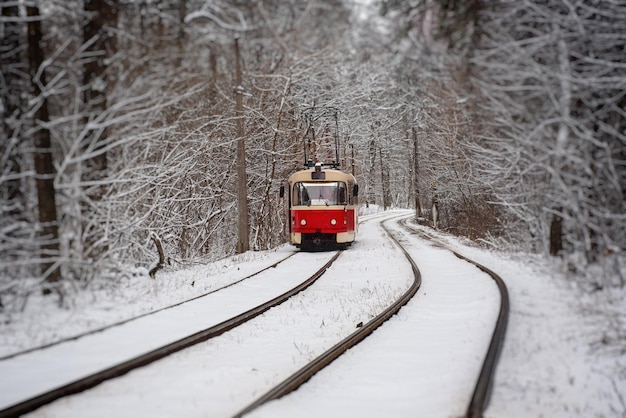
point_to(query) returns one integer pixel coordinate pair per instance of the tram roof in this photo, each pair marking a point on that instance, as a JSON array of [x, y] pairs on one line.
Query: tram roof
[[325, 174]]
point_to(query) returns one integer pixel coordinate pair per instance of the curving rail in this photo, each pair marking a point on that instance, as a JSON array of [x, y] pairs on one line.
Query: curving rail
[[88, 382], [479, 399], [480, 396], [125, 321], [482, 390], [304, 374]]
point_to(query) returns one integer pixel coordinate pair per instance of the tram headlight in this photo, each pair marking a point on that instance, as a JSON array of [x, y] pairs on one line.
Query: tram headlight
[[302, 222], [333, 222]]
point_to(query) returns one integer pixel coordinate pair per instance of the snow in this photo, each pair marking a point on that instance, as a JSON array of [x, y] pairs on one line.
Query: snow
[[75, 359], [422, 362], [406, 366]]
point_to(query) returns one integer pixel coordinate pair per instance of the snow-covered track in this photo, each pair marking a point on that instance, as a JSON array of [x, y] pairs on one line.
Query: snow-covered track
[[134, 318], [300, 377], [122, 368], [480, 397]]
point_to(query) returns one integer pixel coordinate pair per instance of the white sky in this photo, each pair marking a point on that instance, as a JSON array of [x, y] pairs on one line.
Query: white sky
[[423, 362]]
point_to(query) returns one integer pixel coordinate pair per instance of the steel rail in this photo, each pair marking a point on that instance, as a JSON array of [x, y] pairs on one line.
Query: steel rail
[[304, 374], [89, 382], [482, 390], [122, 322]]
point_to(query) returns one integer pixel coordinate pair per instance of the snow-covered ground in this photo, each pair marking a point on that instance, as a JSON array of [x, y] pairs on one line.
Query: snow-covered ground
[[560, 358]]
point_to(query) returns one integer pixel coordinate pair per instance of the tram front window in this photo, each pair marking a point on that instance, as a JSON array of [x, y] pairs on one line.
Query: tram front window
[[319, 194]]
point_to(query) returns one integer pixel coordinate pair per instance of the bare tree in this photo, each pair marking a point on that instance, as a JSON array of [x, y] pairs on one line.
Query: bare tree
[[43, 153], [553, 77]]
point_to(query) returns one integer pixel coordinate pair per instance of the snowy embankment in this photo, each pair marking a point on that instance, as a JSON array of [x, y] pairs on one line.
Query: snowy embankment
[[561, 355], [560, 358]]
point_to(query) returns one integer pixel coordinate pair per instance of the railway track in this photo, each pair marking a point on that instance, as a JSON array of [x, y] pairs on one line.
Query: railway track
[[474, 410], [480, 396], [134, 318], [482, 390], [127, 320], [23, 406], [304, 374]]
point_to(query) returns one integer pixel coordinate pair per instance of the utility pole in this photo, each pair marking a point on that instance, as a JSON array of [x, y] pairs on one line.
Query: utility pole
[[352, 159], [418, 207], [243, 240]]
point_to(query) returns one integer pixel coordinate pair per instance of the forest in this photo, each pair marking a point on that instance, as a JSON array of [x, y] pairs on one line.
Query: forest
[[122, 122]]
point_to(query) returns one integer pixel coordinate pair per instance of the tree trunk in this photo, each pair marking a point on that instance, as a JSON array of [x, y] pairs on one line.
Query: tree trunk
[[435, 206], [243, 239], [182, 37], [384, 177], [43, 154], [371, 191], [556, 235]]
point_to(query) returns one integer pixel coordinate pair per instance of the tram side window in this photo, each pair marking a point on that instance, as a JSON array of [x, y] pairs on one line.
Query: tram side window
[[341, 193], [300, 195]]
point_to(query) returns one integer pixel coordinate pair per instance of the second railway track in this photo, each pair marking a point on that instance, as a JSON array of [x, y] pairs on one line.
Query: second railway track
[[303, 375], [481, 389], [218, 377], [254, 357], [13, 402]]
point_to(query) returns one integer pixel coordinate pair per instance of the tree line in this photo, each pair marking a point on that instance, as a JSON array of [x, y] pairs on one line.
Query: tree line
[[120, 126], [544, 88]]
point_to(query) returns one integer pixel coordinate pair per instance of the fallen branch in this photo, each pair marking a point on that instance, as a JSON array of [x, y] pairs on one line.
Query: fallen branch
[[161, 262]]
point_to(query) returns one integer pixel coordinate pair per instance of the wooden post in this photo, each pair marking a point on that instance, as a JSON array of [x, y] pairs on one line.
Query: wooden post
[[418, 207], [243, 239], [556, 234], [435, 208], [352, 160]]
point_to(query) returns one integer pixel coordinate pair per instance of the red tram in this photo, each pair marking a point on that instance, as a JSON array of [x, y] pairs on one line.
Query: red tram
[[323, 208]]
